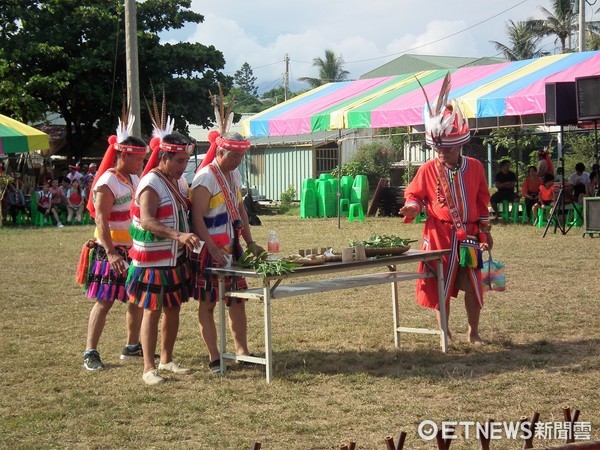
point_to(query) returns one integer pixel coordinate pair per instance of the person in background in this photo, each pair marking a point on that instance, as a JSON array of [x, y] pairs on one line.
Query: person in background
[[546, 197], [75, 203], [219, 219], [531, 189], [544, 163], [158, 280], [102, 268], [74, 173], [579, 180], [15, 202], [59, 199], [454, 190], [591, 189], [91, 173], [505, 182], [44, 203]]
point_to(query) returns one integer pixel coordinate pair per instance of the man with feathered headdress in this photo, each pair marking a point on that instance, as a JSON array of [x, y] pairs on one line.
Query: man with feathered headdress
[[104, 260], [219, 218], [158, 279], [453, 189]]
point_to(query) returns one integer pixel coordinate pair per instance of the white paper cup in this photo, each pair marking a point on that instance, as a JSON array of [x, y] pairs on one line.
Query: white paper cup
[[229, 259], [198, 248]]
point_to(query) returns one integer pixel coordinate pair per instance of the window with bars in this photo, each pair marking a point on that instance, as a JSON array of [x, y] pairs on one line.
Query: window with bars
[[326, 159]]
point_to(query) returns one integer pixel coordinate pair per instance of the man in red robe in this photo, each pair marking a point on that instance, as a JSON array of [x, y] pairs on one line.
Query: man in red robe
[[453, 189]]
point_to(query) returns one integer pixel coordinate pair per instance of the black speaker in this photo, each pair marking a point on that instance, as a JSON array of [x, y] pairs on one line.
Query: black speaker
[[561, 103], [588, 98]]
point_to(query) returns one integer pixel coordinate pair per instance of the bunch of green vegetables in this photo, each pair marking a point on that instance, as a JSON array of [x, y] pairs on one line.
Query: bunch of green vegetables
[[263, 266], [383, 241]]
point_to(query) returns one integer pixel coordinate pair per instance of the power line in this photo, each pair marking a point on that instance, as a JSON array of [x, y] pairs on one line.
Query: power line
[[432, 42]]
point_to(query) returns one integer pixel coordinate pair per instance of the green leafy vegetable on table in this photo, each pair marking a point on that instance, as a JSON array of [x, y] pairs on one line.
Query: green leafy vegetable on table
[[383, 241], [263, 266]]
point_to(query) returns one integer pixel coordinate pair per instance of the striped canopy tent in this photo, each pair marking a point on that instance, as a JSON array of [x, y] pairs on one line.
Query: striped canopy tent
[[505, 94], [16, 137]]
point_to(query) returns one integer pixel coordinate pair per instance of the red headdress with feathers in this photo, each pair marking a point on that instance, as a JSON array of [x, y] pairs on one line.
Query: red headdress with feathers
[[224, 119], [124, 129], [445, 124]]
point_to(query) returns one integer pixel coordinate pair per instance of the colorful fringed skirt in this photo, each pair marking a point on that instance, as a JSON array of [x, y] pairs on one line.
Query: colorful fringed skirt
[[205, 286], [94, 273], [154, 287]]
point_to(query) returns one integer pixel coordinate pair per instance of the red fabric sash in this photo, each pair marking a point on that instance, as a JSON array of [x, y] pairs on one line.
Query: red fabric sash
[[455, 213], [230, 197], [183, 201]]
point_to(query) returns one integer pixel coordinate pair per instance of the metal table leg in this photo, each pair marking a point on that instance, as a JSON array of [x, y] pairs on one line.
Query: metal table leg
[[395, 310], [222, 324], [268, 342], [442, 303]]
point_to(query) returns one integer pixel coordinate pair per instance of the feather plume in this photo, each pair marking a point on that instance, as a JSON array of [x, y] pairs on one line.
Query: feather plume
[[223, 111], [426, 98], [444, 93], [161, 123], [126, 121]]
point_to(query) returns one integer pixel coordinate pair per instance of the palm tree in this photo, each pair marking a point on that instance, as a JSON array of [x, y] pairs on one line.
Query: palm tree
[[562, 22], [330, 69], [523, 41]]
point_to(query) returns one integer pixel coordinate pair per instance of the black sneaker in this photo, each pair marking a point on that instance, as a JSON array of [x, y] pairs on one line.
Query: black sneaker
[[131, 354], [215, 366], [92, 361]]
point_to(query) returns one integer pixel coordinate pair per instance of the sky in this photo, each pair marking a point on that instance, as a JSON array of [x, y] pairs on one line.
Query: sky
[[366, 33]]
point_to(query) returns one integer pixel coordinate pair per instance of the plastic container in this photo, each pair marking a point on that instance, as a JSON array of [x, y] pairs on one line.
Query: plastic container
[[273, 243]]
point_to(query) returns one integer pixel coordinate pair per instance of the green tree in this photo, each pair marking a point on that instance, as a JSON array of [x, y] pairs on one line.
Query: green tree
[[523, 41], [561, 22], [68, 57], [245, 80], [330, 69]]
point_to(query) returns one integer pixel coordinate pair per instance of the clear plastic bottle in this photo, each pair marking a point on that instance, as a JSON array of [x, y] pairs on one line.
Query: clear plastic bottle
[[273, 243]]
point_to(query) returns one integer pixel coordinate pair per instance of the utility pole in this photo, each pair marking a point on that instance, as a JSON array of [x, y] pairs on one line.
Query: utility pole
[[580, 8], [286, 77], [133, 73]]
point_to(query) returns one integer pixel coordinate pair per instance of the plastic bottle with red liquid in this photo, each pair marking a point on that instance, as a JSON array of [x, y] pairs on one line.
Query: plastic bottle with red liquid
[[273, 243]]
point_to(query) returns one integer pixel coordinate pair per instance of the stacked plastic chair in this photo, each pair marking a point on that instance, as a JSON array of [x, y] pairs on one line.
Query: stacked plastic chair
[[359, 198], [308, 199], [326, 198]]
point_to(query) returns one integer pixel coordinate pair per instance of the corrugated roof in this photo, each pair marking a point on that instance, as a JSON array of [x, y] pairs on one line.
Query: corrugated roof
[[417, 63]]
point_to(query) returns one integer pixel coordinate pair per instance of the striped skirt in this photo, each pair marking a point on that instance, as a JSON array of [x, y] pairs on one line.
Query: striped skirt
[[94, 273], [154, 287]]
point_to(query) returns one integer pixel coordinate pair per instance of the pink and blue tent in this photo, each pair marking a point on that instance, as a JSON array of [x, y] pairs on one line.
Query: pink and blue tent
[[509, 93]]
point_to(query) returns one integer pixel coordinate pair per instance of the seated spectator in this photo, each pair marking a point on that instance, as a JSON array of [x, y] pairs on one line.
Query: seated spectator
[[591, 189], [546, 197], [59, 199], [579, 180], [16, 202], [44, 203], [505, 182], [559, 175], [531, 188], [75, 203], [87, 188]]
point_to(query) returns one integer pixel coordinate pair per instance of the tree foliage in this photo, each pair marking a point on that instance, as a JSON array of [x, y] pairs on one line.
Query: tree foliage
[[245, 80], [560, 22], [68, 57], [330, 69], [523, 41]]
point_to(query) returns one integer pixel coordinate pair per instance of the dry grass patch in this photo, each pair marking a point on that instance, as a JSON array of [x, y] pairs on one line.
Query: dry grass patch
[[338, 376]]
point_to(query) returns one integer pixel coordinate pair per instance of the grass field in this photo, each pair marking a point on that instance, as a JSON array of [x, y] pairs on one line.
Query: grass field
[[338, 377]]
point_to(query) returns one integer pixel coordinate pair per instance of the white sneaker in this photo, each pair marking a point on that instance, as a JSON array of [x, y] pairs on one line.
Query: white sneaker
[[152, 378], [59, 225], [174, 367]]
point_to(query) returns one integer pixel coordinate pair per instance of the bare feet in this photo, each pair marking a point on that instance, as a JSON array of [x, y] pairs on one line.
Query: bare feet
[[475, 339]]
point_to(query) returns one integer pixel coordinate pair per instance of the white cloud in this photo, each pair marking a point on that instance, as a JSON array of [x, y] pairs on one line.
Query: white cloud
[[366, 34]]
